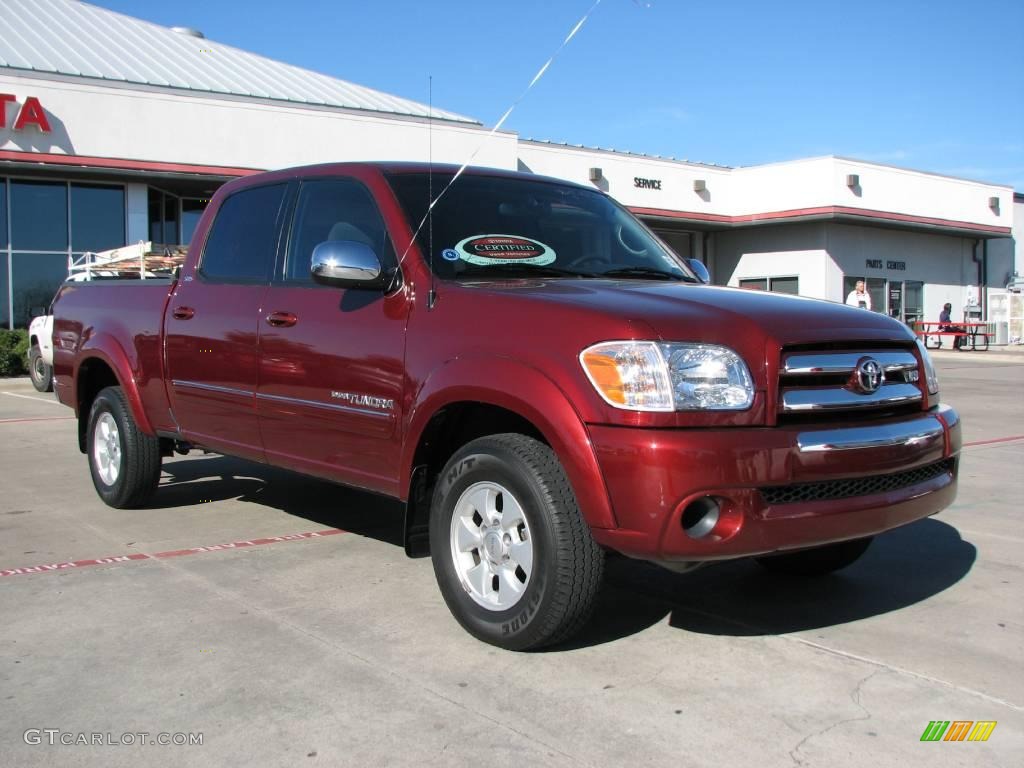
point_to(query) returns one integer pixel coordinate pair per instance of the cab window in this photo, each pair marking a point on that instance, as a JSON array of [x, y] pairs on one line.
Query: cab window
[[334, 209], [243, 239]]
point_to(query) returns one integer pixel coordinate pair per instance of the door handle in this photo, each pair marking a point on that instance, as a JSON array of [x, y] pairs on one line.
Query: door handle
[[282, 319], [183, 313]]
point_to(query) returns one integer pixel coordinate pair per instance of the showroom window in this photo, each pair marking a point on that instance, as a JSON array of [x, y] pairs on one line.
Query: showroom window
[[875, 287], [173, 219], [774, 284], [42, 225]]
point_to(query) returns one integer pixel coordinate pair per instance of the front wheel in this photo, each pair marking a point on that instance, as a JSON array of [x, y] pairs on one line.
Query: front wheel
[[818, 561], [513, 557], [123, 460], [40, 373]]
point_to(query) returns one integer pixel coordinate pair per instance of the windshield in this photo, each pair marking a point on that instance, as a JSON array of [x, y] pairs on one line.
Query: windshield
[[493, 226]]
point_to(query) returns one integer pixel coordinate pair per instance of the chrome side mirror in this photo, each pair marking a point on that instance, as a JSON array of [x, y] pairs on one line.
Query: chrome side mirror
[[346, 264], [698, 268]]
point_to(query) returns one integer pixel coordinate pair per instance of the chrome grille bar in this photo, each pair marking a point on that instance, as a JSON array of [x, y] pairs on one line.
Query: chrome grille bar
[[816, 363], [839, 399]]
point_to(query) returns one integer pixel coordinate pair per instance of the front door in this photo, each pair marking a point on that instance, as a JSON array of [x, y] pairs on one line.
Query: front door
[[213, 321], [331, 365]]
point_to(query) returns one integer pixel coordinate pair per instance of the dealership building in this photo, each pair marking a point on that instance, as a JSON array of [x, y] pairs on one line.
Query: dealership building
[[115, 130]]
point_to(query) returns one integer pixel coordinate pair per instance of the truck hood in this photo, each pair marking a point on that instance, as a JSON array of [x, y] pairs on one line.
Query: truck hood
[[687, 312]]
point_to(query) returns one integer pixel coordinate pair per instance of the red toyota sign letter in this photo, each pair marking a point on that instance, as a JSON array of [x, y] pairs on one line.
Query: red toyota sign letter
[[32, 113], [4, 98]]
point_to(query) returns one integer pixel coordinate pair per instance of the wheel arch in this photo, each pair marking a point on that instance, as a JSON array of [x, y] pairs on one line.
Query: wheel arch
[[455, 406], [104, 364]]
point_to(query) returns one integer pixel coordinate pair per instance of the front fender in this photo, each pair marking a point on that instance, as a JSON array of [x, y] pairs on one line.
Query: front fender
[[531, 395], [105, 347]]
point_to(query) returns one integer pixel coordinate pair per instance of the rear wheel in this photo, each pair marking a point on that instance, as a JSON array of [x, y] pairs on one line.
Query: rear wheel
[[818, 561], [123, 460], [40, 373], [513, 557]]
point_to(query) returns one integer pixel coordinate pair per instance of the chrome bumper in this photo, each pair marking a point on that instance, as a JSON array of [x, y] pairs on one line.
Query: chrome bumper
[[919, 433]]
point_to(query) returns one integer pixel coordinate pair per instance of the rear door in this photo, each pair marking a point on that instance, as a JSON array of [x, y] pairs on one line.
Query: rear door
[[331, 370], [213, 320]]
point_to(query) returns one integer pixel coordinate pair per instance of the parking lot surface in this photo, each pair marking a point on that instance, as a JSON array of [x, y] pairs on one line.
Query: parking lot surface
[[218, 612]]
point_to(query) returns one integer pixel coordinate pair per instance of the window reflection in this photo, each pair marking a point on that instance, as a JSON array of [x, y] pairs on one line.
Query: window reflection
[[191, 211], [39, 215], [3, 220], [36, 278], [5, 314], [97, 217]]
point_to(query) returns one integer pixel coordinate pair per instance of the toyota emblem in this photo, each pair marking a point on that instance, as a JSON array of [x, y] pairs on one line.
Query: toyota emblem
[[868, 375]]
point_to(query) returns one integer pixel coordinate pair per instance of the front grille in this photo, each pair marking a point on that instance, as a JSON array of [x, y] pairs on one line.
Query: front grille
[[857, 486], [820, 384]]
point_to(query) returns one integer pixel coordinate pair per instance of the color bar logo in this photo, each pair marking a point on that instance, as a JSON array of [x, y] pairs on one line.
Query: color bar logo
[[958, 730]]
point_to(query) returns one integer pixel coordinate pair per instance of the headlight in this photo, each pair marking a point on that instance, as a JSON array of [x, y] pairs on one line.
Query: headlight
[[930, 376], [660, 376]]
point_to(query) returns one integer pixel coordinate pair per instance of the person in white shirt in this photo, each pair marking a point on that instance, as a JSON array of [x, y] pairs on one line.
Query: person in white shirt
[[859, 297]]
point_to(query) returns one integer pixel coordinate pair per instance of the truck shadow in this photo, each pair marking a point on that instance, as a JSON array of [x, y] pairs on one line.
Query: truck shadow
[[738, 598], [217, 478]]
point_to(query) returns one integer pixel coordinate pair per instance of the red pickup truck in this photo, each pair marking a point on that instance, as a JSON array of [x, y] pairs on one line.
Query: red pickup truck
[[532, 371]]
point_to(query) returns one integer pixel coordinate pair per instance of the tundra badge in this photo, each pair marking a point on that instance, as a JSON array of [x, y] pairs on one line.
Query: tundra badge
[[384, 404]]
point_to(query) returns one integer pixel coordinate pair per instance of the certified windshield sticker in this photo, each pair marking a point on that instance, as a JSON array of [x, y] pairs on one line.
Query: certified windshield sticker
[[486, 250]]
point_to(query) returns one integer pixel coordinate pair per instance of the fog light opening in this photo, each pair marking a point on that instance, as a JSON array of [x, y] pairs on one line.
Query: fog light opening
[[700, 517]]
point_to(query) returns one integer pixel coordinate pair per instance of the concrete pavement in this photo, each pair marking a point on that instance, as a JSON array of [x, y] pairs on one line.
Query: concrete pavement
[[337, 650]]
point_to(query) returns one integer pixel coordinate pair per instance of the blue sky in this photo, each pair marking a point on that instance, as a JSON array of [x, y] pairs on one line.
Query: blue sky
[[937, 86]]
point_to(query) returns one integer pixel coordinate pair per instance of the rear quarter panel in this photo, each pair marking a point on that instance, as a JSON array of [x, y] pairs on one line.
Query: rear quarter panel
[[120, 323]]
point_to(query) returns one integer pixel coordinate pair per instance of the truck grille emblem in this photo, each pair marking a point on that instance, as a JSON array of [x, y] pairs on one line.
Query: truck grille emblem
[[867, 376]]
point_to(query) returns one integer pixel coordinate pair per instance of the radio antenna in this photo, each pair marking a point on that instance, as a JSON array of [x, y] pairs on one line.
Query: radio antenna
[[432, 295], [497, 127]]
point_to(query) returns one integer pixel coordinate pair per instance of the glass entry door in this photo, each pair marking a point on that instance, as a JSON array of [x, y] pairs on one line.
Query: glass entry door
[[913, 301]]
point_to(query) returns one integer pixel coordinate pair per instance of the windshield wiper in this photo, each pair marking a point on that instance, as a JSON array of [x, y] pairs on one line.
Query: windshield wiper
[[525, 269], [645, 272]]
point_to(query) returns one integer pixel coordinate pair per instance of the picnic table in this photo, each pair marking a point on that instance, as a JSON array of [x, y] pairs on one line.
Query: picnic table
[[975, 335]]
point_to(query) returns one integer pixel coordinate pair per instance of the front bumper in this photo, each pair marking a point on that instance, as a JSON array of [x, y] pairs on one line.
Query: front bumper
[[777, 488]]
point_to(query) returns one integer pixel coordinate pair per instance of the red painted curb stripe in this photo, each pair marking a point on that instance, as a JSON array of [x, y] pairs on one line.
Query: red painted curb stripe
[[39, 418], [172, 553], [994, 440]]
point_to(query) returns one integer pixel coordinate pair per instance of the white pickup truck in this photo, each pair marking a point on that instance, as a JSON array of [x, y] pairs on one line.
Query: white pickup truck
[[40, 352], [130, 261]]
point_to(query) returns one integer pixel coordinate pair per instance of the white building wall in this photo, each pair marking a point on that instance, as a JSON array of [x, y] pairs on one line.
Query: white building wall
[[943, 263], [821, 182], [619, 171], [822, 253], [777, 251], [140, 123], [793, 186]]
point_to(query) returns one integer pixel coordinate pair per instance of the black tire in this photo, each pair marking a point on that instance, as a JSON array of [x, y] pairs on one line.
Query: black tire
[[40, 373], [819, 561], [567, 564], [139, 454]]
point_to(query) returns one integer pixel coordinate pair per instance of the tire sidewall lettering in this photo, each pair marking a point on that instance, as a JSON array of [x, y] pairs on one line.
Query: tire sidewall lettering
[[516, 619]]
